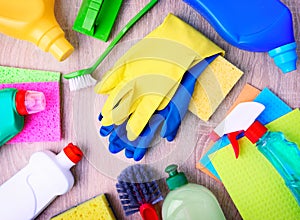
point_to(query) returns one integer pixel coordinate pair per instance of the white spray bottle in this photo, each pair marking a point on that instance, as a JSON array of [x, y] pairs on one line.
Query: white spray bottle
[[47, 175]]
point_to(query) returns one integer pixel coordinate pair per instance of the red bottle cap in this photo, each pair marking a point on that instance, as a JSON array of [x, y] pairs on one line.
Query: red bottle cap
[[20, 102], [255, 132], [73, 153]]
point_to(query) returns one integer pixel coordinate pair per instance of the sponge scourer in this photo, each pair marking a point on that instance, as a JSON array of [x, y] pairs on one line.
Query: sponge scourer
[[212, 86], [97, 208]]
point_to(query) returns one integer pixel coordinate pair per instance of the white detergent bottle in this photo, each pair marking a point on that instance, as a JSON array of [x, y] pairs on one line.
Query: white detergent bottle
[[33, 188]]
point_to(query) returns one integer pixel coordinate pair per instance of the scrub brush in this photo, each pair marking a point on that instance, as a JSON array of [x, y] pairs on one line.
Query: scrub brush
[[82, 78], [138, 191]]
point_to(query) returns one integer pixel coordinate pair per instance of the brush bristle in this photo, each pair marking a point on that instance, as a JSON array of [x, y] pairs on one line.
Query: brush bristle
[[136, 186], [81, 82]]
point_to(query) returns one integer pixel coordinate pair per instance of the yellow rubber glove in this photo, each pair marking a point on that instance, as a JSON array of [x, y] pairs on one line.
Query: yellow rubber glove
[[147, 76]]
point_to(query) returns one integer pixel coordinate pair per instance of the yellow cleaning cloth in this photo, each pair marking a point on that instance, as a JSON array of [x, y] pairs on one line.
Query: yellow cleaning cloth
[[256, 188], [147, 76], [247, 94], [95, 208]]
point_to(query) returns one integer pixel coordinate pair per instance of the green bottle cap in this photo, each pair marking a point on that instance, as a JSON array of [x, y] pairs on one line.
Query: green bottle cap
[[175, 179]]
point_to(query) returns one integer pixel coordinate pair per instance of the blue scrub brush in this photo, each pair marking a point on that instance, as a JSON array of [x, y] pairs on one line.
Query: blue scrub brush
[[139, 191]]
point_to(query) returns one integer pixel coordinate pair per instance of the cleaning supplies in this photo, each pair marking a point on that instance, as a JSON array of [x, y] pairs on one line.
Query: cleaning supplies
[[208, 94], [95, 208], [82, 78], [274, 108], [46, 125], [256, 188], [160, 59], [282, 154], [187, 200], [253, 25], [139, 191], [170, 117], [97, 17], [15, 104], [34, 21], [47, 175]]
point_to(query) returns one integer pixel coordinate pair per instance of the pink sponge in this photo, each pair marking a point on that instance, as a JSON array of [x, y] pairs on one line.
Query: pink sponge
[[44, 126]]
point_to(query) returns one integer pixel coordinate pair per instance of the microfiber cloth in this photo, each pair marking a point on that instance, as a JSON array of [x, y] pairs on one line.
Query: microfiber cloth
[[43, 126], [205, 160], [248, 93], [275, 108], [256, 188]]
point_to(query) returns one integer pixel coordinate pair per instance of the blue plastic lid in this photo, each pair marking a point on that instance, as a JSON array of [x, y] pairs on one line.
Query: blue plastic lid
[[285, 57]]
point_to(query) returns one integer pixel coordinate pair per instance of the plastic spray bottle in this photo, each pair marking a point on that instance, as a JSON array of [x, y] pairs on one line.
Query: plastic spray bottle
[[189, 201], [253, 25], [15, 104], [34, 21], [47, 175], [281, 153]]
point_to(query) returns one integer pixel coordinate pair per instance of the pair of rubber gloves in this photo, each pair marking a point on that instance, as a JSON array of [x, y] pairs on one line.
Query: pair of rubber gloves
[[170, 118], [146, 78]]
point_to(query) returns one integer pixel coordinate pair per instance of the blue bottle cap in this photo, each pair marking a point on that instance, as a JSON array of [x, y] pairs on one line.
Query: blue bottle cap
[[285, 57]]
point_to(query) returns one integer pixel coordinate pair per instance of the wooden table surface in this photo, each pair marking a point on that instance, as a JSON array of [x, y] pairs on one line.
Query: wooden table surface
[[258, 67]]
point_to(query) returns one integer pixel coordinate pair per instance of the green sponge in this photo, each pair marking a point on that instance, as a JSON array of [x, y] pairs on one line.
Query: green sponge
[[96, 208], [97, 17]]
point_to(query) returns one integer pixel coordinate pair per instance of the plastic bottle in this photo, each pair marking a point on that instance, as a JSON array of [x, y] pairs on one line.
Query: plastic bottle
[[189, 201], [15, 104], [253, 25], [34, 21], [47, 175], [281, 153]]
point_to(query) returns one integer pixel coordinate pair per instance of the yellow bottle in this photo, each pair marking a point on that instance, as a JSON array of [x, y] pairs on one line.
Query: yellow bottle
[[34, 21]]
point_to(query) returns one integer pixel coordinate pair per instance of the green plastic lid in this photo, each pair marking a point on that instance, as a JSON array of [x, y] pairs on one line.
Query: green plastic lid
[[175, 179]]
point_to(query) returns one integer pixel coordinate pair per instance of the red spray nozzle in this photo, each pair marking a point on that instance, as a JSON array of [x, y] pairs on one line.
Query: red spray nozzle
[[238, 120], [234, 142]]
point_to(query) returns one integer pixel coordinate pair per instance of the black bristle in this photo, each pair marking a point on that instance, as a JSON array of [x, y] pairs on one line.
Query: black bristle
[[136, 186]]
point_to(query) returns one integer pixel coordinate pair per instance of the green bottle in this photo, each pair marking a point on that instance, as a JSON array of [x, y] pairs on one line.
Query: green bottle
[[188, 201], [15, 104]]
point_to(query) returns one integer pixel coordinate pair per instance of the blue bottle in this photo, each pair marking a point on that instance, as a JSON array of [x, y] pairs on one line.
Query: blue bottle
[[253, 25]]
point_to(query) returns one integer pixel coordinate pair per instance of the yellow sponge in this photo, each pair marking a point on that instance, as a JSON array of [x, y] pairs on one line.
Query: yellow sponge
[[97, 208], [213, 85]]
